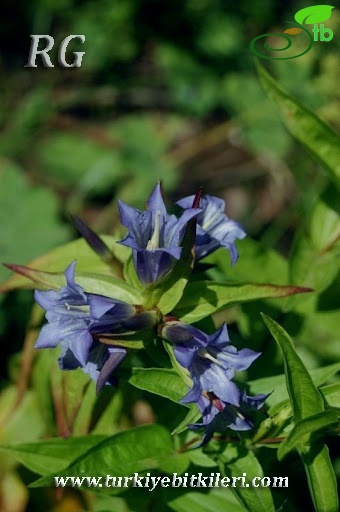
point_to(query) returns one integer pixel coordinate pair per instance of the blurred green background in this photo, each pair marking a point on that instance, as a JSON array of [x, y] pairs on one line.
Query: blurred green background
[[166, 90]]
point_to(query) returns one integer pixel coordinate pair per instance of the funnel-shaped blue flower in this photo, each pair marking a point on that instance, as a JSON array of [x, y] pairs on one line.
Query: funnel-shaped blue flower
[[214, 228], [74, 317], [218, 415], [210, 359], [154, 236]]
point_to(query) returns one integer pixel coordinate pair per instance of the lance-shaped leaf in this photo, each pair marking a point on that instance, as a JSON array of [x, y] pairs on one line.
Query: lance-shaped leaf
[[236, 461], [192, 416], [305, 126], [277, 383], [46, 456], [160, 381], [58, 259], [98, 245], [319, 470], [108, 286], [304, 428], [305, 397], [202, 298], [314, 14], [307, 403], [214, 501], [134, 450]]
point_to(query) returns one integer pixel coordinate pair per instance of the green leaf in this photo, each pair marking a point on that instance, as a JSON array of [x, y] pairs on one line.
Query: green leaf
[[325, 221], [215, 501], [331, 394], [201, 459], [160, 381], [135, 450], [270, 265], [309, 266], [192, 417], [45, 457], [305, 126], [282, 412], [314, 14], [315, 256], [202, 298], [234, 462], [13, 417], [305, 397], [278, 383], [130, 274], [126, 341], [181, 371], [58, 259], [44, 366], [92, 283], [307, 402], [321, 480], [302, 430]]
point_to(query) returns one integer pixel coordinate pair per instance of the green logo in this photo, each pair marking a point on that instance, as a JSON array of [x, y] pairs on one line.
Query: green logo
[[313, 15]]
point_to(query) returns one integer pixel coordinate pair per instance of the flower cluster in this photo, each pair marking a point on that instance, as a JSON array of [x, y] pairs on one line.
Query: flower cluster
[[76, 319], [79, 321], [212, 361]]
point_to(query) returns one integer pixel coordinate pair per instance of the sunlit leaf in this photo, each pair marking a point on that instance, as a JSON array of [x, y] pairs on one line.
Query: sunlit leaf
[[303, 429], [278, 384], [109, 286], [306, 399], [236, 461], [307, 403], [215, 500], [58, 259], [202, 298], [305, 126], [49, 455], [125, 453], [161, 381]]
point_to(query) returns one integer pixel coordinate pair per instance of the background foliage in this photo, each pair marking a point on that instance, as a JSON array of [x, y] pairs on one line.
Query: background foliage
[[167, 90]]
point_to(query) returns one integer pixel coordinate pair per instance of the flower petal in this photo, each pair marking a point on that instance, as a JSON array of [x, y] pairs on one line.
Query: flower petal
[[49, 337], [80, 344], [155, 201], [238, 360], [116, 356]]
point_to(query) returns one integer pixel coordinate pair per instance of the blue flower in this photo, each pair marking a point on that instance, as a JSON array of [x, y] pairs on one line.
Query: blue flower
[[101, 362], [210, 359], [154, 236], [218, 415], [214, 228], [74, 317]]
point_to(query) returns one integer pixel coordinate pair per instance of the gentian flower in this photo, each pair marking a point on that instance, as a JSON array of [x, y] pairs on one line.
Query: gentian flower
[[75, 317], [214, 228], [210, 359], [218, 415], [101, 362], [154, 236]]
